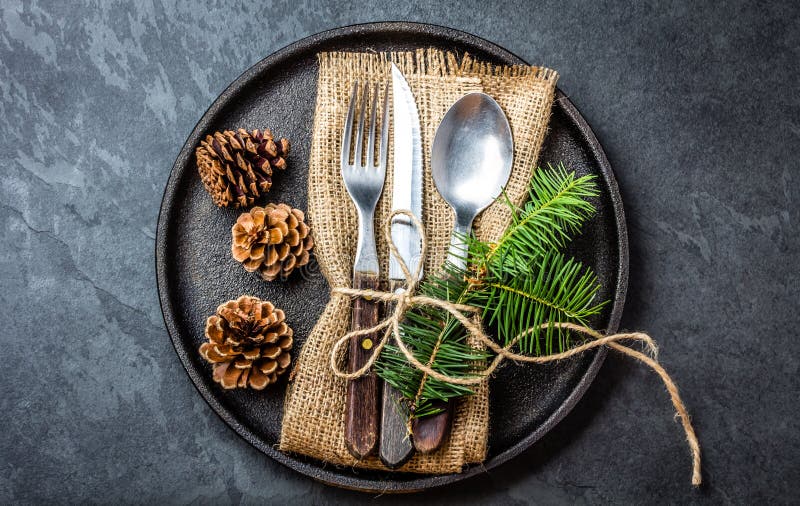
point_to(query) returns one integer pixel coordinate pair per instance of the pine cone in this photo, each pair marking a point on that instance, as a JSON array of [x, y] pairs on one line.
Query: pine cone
[[273, 240], [249, 343], [236, 167]]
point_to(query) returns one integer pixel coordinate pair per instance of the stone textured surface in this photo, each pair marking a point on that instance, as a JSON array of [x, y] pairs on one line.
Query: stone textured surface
[[697, 108]]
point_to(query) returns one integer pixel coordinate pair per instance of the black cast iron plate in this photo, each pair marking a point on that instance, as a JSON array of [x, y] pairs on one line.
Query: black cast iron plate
[[196, 273]]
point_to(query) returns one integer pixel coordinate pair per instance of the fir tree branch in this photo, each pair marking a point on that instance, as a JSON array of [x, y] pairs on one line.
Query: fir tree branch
[[522, 281]]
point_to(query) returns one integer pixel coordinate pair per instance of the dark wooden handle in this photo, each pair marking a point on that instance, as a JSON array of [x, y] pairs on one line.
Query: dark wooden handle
[[361, 409], [396, 447], [431, 431]]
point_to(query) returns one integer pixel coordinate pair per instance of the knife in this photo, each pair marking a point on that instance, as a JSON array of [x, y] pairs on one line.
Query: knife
[[395, 445]]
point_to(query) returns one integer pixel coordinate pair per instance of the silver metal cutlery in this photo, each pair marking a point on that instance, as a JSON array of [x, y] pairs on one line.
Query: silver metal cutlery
[[396, 447], [471, 163], [364, 179]]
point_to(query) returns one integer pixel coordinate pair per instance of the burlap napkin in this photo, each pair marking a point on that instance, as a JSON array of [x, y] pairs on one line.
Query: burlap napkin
[[313, 420]]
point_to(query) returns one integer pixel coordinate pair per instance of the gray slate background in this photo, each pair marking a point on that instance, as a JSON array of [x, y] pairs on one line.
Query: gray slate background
[[698, 109]]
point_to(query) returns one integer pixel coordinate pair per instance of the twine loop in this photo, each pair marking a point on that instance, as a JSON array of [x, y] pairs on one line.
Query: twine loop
[[406, 299]]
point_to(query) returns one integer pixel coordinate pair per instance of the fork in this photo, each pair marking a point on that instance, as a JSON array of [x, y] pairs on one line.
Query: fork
[[364, 183]]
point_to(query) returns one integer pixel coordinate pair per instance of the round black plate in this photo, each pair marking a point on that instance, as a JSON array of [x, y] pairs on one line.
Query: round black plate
[[196, 273]]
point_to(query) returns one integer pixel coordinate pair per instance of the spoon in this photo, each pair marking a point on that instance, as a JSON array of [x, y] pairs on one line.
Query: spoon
[[471, 162]]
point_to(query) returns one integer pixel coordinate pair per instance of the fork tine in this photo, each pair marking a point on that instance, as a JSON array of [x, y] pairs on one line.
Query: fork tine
[[371, 139], [348, 127], [385, 129], [360, 132]]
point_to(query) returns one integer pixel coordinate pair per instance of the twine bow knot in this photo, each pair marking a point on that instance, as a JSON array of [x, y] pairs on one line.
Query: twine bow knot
[[406, 299]]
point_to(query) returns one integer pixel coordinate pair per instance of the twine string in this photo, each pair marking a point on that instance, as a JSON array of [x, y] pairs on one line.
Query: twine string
[[407, 299]]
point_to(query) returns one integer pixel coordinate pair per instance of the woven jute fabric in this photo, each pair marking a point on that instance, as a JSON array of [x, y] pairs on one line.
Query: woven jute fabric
[[313, 420]]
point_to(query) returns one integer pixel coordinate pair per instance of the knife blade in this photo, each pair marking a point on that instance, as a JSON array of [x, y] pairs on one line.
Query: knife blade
[[395, 445], [407, 174]]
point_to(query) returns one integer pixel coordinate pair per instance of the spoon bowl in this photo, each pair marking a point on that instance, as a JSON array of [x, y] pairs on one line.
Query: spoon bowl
[[471, 161]]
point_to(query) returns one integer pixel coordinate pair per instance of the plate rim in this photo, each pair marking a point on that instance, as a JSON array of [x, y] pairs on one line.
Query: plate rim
[[317, 471]]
